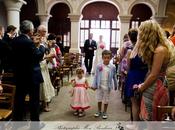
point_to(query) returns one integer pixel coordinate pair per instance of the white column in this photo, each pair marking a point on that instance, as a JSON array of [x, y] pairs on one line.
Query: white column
[[13, 11], [75, 31], [125, 21], [44, 19]]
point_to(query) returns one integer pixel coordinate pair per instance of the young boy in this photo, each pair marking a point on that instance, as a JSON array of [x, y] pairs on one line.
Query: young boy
[[103, 82]]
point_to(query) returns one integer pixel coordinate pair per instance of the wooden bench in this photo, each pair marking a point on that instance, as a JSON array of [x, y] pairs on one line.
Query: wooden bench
[[163, 111], [7, 101]]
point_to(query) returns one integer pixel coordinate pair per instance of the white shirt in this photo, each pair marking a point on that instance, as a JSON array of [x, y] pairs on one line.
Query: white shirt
[[90, 40], [104, 78]]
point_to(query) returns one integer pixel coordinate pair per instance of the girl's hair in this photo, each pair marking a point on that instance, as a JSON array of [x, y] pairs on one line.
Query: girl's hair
[[133, 35], [79, 71], [150, 35], [125, 38]]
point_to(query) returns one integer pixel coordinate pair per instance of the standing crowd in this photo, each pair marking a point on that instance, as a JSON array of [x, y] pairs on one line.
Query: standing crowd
[[146, 70], [29, 57]]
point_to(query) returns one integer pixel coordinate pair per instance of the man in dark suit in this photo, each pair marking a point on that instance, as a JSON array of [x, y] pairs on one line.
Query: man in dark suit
[[89, 47], [27, 72]]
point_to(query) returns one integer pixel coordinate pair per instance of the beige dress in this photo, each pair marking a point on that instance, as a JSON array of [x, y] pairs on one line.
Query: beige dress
[[47, 91]]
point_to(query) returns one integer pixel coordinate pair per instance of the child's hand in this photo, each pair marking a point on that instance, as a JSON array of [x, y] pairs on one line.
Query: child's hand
[[72, 82], [93, 88], [71, 92]]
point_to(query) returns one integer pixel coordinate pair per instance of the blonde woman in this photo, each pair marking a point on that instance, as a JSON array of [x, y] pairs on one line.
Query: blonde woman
[[152, 46]]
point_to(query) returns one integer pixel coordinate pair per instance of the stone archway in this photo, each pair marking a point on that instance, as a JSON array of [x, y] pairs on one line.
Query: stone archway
[[60, 24], [101, 18], [53, 2], [139, 16], [31, 14], [149, 3], [113, 2]]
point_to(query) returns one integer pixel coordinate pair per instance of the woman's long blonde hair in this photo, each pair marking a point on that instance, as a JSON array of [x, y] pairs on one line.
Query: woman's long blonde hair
[[150, 35]]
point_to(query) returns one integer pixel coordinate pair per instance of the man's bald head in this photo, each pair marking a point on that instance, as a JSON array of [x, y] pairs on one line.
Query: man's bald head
[[42, 30]]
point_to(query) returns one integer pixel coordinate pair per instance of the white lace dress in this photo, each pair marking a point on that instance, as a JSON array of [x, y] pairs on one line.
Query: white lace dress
[[98, 55], [47, 91]]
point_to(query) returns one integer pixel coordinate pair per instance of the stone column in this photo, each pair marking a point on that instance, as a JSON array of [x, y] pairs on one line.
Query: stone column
[[44, 19], [124, 28], [75, 32], [159, 19], [13, 11]]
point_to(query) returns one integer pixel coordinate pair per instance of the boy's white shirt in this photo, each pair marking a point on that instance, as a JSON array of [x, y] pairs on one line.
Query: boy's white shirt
[[104, 78]]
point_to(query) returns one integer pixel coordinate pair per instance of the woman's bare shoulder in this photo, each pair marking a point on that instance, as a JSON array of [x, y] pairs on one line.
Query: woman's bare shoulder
[[161, 49]]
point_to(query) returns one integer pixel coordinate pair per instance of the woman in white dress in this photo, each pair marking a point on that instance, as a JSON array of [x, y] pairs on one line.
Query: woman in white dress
[[47, 91], [98, 56]]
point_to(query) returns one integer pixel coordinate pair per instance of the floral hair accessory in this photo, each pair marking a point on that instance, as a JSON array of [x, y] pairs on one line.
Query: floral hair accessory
[[100, 68]]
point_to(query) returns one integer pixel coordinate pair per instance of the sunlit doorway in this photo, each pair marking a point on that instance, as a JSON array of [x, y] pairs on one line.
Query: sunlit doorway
[[105, 33], [101, 18]]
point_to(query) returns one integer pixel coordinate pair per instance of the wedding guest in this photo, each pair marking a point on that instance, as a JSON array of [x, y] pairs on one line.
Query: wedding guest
[[27, 72], [47, 91], [9, 35], [152, 46], [60, 44], [137, 71]]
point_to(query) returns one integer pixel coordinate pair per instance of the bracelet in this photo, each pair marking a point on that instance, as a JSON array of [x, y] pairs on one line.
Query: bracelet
[[140, 87]]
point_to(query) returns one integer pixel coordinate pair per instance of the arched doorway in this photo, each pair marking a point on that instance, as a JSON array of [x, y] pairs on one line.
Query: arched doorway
[[28, 12], [140, 13], [59, 23], [101, 18]]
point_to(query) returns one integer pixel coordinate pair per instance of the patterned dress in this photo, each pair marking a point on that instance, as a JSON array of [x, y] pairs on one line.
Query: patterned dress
[[155, 95], [80, 99], [123, 67]]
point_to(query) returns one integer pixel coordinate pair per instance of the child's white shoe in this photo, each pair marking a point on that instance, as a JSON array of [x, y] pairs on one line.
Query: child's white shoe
[[76, 113], [81, 114], [104, 116], [97, 114]]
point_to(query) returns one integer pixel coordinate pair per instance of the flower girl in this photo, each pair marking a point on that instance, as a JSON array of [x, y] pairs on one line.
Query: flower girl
[[80, 98]]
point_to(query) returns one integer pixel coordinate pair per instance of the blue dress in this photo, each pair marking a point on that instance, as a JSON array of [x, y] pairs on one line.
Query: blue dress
[[136, 75]]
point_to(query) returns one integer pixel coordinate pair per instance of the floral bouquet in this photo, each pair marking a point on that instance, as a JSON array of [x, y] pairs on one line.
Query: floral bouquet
[[100, 68], [102, 46]]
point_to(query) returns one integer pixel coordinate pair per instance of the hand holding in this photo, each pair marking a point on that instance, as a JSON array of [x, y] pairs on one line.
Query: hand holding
[[93, 88]]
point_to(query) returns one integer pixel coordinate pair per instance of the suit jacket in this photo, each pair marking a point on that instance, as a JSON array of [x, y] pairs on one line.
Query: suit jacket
[[93, 45], [111, 78], [6, 53], [26, 58]]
